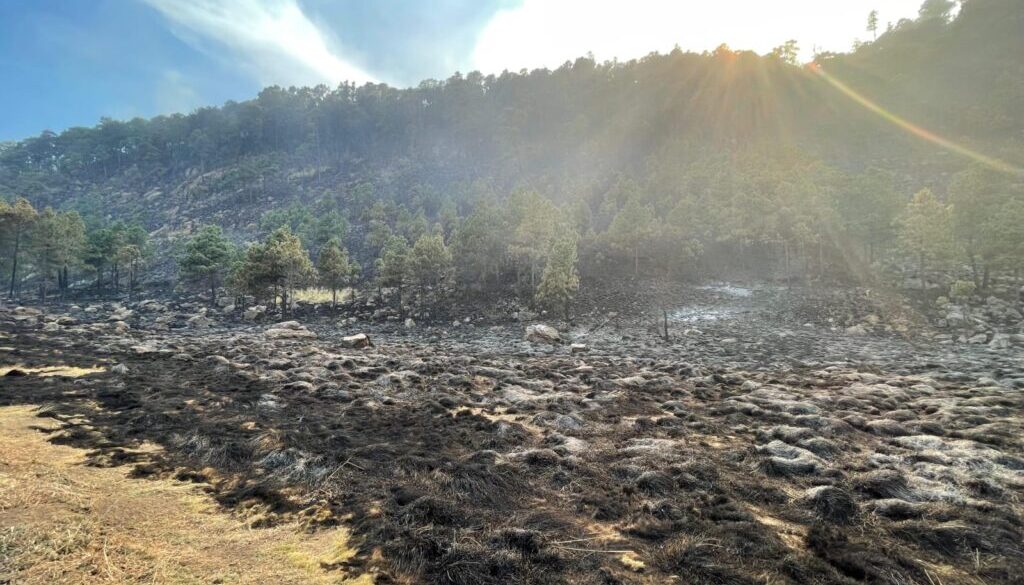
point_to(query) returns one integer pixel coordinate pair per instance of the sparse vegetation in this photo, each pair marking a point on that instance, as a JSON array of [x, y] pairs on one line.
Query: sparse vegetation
[[719, 318]]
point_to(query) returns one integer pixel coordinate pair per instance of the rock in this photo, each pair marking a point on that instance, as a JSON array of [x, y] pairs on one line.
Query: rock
[[999, 341], [543, 334], [289, 330], [955, 317], [357, 341], [121, 328], [977, 339], [409, 323], [856, 330], [578, 348], [200, 322], [254, 313], [121, 315], [119, 369]]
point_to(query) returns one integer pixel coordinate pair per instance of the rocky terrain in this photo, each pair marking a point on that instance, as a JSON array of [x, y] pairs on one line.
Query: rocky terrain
[[778, 436]]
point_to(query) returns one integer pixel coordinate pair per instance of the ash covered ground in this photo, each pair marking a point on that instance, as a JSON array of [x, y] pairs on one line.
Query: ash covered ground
[[772, 439]]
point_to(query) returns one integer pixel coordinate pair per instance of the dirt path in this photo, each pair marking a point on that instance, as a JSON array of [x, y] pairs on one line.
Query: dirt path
[[64, 522]]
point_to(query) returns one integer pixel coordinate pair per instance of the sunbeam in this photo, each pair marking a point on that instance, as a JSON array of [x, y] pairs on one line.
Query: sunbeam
[[914, 129]]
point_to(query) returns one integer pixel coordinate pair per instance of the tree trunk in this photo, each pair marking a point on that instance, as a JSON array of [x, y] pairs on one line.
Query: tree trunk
[[334, 299], [664, 313], [975, 273], [14, 263], [636, 261]]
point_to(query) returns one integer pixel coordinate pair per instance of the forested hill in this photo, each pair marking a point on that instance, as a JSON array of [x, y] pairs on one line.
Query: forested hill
[[736, 148]]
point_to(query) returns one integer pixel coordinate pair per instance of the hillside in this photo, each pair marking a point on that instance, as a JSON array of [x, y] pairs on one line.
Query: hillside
[[735, 150]]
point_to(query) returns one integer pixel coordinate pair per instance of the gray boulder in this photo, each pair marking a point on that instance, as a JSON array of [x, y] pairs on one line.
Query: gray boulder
[[289, 330], [543, 334], [357, 341]]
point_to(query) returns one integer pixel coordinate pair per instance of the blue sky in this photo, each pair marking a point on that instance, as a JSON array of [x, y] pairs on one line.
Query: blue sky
[[69, 62]]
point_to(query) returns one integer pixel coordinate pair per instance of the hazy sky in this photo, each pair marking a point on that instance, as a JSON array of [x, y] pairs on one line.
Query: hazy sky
[[69, 62]]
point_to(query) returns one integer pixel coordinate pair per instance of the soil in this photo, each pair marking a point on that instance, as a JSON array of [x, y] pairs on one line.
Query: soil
[[762, 443], [66, 522]]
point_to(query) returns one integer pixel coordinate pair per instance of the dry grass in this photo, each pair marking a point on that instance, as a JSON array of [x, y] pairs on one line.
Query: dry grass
[[48, 371], [321, 295], [64, 522]]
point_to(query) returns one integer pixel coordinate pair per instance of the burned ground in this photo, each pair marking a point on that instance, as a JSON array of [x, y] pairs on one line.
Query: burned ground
[[755, 450]]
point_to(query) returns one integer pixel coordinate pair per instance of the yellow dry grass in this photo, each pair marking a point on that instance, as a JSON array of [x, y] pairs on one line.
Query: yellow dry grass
[[62, 522], [48, 371], [321, 295]]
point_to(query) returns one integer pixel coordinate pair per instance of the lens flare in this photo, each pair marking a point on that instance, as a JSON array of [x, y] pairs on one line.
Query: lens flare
[[914, 129]]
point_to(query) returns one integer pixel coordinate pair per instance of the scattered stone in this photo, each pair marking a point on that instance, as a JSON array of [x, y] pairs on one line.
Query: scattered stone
[[543, 334], [200, 322], [254, 313], [289, 330], [357, 341], [856, 330], [1000, 341]]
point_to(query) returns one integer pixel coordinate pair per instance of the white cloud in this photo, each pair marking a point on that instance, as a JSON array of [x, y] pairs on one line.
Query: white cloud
[[273, 39], [546, 33]]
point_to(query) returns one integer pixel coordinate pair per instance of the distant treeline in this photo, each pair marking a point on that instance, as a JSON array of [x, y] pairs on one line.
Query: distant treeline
[[668, 166]]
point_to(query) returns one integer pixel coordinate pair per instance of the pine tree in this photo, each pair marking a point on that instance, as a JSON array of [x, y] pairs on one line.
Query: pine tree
[[130, 257], [537, 220], [335, 269], [16, 222], [480, 244], [430, 262], [393, 265], [58, 242], [926, 230], [978, 196], [560, 281], [275, 267], [631, 230], [208, 257]]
